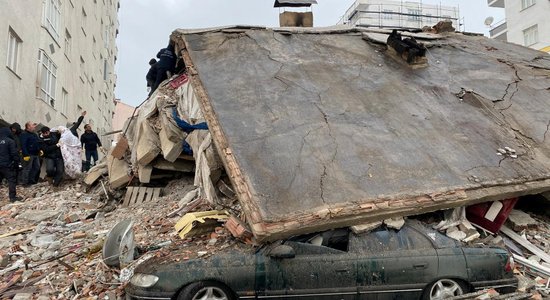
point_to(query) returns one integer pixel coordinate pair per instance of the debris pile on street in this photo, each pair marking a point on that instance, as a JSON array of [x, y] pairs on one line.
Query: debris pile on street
[[52, 243]]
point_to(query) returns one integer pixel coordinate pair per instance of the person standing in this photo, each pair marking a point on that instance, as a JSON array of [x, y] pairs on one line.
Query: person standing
[[16, 134], [9, 162], [151, 76], [30, 150], [90, 141], [167, 63], [52, 155]]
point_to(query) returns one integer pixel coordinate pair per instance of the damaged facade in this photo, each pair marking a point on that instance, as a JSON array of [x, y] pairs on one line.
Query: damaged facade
[[322, 128]]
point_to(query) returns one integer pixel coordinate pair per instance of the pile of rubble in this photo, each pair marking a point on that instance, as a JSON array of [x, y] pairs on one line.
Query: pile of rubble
[[51, 245]]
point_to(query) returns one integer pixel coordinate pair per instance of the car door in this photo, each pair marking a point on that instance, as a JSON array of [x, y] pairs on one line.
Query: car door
[[316, 272], [393, 264]]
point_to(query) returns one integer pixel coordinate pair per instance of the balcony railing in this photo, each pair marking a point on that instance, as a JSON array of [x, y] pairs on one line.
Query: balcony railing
[[495, 3], [498, 28]]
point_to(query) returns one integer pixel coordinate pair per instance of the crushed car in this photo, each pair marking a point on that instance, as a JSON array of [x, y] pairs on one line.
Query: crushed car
[[415, 262]]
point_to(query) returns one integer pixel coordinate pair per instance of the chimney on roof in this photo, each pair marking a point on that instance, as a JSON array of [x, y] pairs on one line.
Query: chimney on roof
[[292, 18]]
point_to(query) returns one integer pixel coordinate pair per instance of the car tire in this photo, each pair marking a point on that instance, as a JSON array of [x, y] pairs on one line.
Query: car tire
[[206, 290], [444, 288]]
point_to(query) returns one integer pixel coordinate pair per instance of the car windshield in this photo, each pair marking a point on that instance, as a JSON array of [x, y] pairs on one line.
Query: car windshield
[[337, 239], [383, 239]]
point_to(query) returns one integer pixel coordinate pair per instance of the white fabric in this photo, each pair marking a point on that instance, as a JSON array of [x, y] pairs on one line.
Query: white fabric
[[71, 151]]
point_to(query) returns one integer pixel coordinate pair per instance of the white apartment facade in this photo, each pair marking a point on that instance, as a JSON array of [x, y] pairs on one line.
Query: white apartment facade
[[398, 14], [59, 58], [527, 23]]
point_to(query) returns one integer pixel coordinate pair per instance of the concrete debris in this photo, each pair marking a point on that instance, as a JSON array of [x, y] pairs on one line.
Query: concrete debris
[[357, 229], [519, 220], [395, 223]]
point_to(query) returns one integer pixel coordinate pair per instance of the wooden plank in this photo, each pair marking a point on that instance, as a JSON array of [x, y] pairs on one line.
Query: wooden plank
[[148, 195], [525, 243], [128, 196], [140, 195], [18, 231], [156, 194]]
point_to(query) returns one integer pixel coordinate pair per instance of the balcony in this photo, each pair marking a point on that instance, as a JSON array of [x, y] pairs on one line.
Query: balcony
[[498, 31], [496, 3]]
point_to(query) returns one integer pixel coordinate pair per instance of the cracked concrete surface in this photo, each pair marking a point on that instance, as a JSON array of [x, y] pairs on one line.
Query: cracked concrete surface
[[328, 129]]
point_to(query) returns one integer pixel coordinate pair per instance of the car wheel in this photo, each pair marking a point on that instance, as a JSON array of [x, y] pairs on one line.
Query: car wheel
[[205, 290], [443, 289]]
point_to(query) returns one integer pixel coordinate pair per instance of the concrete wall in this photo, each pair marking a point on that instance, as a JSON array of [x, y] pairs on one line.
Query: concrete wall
[[123, 111], [84, 83], [518, 20]]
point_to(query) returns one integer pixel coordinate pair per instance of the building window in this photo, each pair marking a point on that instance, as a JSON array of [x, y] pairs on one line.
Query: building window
[[52, 15], [414, 14], [387, 14], [68, 43], [14, 46], [64, 102], [527, 3], [47, 78], [105, 70], [531, 35], [83, 19]]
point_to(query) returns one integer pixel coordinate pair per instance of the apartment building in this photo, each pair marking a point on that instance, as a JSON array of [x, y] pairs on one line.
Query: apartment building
[[398, 14], [527, 23], [59, 61]]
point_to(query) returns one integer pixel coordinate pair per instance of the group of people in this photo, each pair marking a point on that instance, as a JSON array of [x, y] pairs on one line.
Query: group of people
[[22, 152], [158, 69]]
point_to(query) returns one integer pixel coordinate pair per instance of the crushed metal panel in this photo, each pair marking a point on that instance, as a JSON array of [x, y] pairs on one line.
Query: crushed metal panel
[[324, 130]]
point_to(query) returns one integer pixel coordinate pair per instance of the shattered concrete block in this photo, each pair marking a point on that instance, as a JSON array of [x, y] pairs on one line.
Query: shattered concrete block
[[39, 215], [43, 240], [71, 218], [395, 223], [520, 220], [487, 295], [23, 296], [457, 235], [357, 229], [4, 260]]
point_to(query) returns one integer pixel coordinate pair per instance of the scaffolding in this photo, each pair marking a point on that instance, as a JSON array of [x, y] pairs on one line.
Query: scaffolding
[[399, 14]]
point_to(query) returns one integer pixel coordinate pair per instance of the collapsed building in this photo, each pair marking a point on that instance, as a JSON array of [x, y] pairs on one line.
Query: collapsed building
[[317, 128]]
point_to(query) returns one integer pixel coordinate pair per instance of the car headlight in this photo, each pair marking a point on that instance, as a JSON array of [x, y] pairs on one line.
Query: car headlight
[[144, 280]]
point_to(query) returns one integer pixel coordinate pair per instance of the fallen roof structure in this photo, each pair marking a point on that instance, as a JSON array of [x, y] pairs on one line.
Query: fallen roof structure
[[322, 128]]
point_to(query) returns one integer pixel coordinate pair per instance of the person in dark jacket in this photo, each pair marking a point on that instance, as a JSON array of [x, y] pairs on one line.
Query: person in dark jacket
[[16, 133], [76, 124], [9, 161], [90, 141], [167, 63], [151, 76], [52, 155], [30, 150]]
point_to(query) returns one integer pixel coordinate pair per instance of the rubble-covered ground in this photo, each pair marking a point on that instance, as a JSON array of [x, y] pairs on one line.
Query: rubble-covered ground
[[51, 244], [58, 253]]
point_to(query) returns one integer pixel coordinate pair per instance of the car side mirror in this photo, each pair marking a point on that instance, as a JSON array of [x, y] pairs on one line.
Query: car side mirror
[[282, 251]]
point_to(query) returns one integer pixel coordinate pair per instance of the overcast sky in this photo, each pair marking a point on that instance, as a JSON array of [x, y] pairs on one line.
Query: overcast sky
[[145, 27]]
